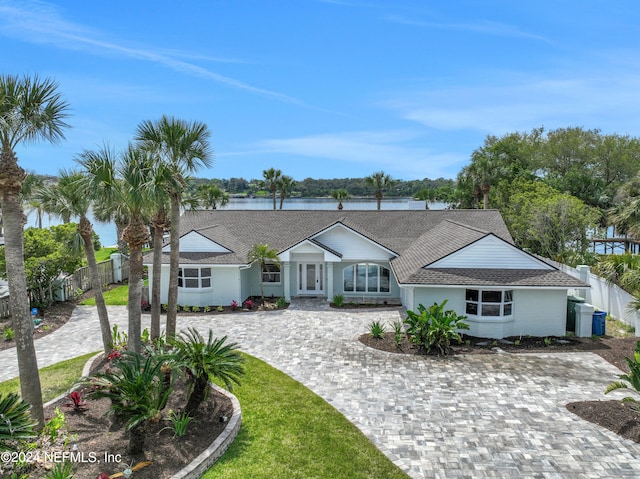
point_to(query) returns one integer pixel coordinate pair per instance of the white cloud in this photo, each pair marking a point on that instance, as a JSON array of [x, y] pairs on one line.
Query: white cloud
[[39, 22]]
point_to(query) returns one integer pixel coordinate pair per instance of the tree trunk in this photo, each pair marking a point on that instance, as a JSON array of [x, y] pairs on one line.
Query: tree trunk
[[379, 198], [273, 193], [174, 264], [136, 235], [85, 229], [136, 439], [159, 225], [197, 395], [11, 178]]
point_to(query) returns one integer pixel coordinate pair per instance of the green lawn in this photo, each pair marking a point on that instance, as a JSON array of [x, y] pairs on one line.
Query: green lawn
[[114, 297], [104, 254], [287, 430], [54, 380]]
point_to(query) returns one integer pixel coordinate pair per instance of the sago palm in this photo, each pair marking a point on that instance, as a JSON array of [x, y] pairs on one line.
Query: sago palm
[[31, 110], [205, 361], [15, 421], [137, 392]]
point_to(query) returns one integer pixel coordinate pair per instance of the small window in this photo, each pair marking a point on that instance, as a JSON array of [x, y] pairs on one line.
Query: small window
[[194, 278], [489, 303], [271, 273]]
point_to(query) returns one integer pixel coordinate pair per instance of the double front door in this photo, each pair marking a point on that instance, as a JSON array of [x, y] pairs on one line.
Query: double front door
[[310, 278]]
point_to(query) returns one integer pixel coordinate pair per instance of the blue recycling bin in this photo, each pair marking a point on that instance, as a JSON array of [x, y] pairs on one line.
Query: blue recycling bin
[[599, 323]]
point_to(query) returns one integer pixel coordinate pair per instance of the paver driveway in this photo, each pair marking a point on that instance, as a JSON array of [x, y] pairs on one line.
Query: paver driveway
[[476, 416]]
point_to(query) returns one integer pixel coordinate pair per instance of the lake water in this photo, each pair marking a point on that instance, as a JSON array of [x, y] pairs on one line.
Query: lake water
[[108, 235]]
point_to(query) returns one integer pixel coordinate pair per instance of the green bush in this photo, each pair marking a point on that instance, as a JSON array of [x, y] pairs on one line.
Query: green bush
[[338, 300], [631, 380], [376, 329], [16, 422], [434, 328]]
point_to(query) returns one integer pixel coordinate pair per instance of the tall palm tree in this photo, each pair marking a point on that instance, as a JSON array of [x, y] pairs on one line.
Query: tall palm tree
[[70, 198], [262, 253], [271, 178], [31, 188], [31, 109], [124, 181], [340, 195], [212, 196], [380, 181], [285, 185], [183, 147]]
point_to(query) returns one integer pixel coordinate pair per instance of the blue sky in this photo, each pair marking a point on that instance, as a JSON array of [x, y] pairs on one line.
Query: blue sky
[[329, 88]]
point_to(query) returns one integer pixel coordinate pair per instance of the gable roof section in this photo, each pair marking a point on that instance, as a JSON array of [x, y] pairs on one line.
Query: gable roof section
[[195, 241], [395, 230]]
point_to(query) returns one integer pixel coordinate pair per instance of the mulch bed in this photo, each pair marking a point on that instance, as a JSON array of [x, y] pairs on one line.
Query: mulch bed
[[619, 417], [99, 435]]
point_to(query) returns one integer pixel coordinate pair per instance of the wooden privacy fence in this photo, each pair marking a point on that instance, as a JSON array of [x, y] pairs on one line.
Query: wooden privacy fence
[[110, 271], [80, 281]]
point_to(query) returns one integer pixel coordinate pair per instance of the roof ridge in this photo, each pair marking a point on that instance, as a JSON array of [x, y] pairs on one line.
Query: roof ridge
[[479, 230]]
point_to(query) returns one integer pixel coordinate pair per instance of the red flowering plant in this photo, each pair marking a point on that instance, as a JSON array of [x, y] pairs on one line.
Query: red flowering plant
[[248, 304], [77, 403], [234, 305]]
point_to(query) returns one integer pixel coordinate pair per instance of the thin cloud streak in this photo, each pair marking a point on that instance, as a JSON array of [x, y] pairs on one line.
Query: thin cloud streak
[[40, 23], [485, 28]]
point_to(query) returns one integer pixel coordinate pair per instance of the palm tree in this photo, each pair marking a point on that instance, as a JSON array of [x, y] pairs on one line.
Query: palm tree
[[30, 110], [263, 254], [426, 195], [31, 188], [16, 424], [271, 178], [126, 182], [285, 185], [204, 362], [340, 195], [380, 181], [183, 147], [212, 196], [71, 197]]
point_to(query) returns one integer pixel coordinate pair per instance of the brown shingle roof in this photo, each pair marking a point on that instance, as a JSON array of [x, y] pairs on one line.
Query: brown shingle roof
[[494, 277]]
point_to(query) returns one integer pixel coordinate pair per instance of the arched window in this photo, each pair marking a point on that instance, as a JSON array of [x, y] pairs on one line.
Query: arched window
[[366, 278]]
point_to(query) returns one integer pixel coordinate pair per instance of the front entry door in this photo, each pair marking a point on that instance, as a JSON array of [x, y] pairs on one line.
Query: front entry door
[[310, 278]]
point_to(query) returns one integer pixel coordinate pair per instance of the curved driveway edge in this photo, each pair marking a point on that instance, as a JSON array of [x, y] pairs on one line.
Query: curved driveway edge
[[474, 416]]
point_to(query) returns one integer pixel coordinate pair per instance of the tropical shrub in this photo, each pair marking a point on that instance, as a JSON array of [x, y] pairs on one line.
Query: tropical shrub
[[434, 328], [376, 329], [9, 333], [137, 392], [15, 421], [338, 300], [631, 380], [398, 332], [202, 361], [281, 303]]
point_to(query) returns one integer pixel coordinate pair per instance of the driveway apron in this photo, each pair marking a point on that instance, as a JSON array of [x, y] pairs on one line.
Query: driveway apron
[[476, 416]]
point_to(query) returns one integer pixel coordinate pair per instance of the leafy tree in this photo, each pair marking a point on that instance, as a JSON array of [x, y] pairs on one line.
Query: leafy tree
[[427, 195], [271, 177], [340, 195], [183, 148], [262, 254], [206, 361], [380, 181], [547, 222], [31, 109]]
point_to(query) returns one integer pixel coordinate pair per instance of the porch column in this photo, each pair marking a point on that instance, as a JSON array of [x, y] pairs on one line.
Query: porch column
[[329, 281], [286, 271]]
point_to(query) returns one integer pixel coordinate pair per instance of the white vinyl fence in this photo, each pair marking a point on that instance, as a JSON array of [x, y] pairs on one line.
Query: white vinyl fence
[[603, 295]]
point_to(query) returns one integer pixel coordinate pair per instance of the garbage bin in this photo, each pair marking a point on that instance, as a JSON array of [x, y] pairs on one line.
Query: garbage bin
[[599, 323], [571, 312]]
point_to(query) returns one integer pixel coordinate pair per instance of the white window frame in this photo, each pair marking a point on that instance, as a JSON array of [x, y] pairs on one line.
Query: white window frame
[[197, 281], [270, 271], [485, 307], [354, 279]]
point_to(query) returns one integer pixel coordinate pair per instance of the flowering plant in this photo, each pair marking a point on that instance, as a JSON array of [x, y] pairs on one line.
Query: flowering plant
[[248, 304], [234, 305], [77, 403]]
